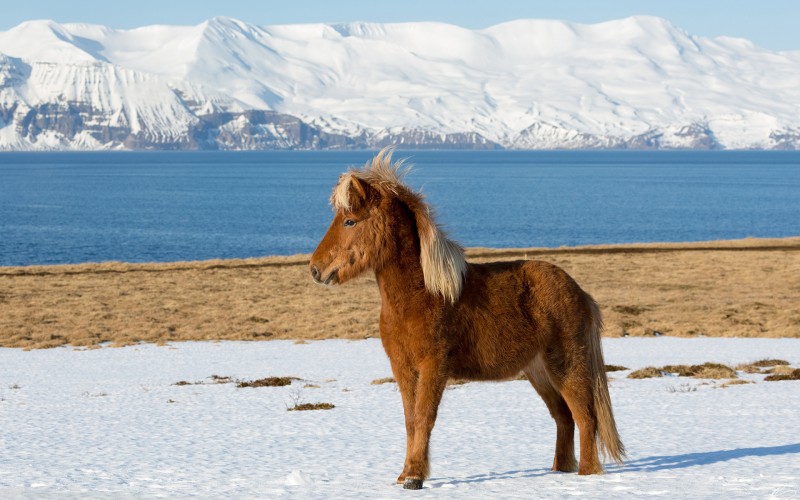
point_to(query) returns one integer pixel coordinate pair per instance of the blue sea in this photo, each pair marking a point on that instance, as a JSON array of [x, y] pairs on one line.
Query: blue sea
[[168, 206]]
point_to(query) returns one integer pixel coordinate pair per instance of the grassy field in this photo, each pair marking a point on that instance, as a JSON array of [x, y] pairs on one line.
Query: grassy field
[[742, 288]]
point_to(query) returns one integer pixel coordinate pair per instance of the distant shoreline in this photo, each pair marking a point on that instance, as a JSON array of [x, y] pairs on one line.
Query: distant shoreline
[[473, 253], [748, 244], [730, 288]]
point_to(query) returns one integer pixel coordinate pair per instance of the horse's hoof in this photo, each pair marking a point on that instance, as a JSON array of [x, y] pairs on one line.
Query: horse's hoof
[[412, 484]]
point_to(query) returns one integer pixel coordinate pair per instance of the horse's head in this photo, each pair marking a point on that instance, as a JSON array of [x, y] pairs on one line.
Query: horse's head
[[377, 218], [350, 246]]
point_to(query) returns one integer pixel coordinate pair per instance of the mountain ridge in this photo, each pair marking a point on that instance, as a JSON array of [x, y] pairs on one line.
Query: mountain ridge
[[638, 82]]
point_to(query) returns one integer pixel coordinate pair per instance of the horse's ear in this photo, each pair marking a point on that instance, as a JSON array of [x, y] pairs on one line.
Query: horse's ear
[[351, 193], [358, 191]]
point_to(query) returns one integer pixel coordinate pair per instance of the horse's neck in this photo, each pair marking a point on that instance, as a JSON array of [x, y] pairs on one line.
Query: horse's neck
[[400, 276]]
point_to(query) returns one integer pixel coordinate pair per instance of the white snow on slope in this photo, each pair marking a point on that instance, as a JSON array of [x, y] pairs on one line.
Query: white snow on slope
[[526, 84], [111, 423]]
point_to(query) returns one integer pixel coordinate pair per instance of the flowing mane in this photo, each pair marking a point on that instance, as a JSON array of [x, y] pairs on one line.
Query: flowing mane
[[442, 259]]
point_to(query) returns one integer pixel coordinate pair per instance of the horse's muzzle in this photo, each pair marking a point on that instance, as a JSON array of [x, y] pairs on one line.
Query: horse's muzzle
[[315, 273], [330, 279]]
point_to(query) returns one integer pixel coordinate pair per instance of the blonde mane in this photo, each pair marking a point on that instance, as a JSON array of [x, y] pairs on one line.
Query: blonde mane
[[442, 259]]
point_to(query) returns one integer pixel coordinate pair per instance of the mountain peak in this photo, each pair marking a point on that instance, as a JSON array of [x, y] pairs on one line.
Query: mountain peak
[[226, 23], [633, 82], [44, 40]]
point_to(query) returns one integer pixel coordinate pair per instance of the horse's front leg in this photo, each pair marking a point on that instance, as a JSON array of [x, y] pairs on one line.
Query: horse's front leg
[[407, 383], [430, 385]]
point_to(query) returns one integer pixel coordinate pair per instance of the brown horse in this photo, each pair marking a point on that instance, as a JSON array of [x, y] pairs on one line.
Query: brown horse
[[443, 318]]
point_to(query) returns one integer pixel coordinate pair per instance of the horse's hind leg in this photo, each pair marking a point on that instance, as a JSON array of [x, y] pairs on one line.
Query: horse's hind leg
[[564, 459], [576, 389]]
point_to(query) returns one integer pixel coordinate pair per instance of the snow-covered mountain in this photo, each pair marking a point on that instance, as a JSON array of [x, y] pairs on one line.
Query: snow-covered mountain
[[638, 82]]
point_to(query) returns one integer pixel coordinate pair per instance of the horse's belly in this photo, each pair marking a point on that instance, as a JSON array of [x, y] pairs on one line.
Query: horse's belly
[[493, 354]]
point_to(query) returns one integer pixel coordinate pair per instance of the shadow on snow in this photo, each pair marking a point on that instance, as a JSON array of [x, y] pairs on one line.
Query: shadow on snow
[[648, 464], [667, 462]]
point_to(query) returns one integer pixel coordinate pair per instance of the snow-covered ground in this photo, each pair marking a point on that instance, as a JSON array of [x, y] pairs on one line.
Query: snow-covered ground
[[112, 422]]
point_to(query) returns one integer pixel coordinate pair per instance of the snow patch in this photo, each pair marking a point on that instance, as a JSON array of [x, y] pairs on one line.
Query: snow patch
[[298, 478]]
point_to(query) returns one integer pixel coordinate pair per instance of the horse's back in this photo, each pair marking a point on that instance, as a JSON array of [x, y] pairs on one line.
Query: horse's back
[[539, 284]]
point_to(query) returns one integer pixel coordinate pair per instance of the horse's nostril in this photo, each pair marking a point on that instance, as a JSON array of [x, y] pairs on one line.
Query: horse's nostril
[[315, 273]]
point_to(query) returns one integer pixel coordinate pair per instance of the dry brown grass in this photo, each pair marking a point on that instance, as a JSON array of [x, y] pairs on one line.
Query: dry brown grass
[[215, 379], [615, 368], [770, 362], [737, 381], [646, 372], [783, 373], [779, 370], [762, 366], [713, 370], [706, 370], [311, 406], [267, 382], [745, 288], [384, 380]]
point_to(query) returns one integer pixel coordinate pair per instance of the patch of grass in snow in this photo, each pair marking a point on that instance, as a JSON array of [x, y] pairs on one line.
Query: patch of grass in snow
[[758, 366], [706, 370], [299, 405], [312, 406], [734, 382], [615, 368], [713, 370], [792, 375], [262, 382], [779, 370], [646, 372], [384, 380], [215, 379], [770, 362], [267, 382]]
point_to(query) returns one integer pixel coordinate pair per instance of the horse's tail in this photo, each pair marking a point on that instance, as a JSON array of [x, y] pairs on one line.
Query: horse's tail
[[607, 436]]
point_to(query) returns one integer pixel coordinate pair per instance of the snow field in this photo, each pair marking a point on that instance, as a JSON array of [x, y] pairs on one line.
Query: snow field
[[112, 422]]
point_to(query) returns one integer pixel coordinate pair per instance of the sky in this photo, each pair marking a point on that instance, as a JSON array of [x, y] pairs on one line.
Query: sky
[[772, 24]]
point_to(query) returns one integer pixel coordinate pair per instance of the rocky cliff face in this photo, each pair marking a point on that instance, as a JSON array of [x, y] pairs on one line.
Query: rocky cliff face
[[75, 126]]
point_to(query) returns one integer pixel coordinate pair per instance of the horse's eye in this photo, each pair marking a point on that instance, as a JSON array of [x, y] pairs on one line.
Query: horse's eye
[[349, 223]]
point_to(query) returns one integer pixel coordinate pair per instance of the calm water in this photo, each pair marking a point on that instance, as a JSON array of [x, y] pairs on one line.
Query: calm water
[[81, 207]]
